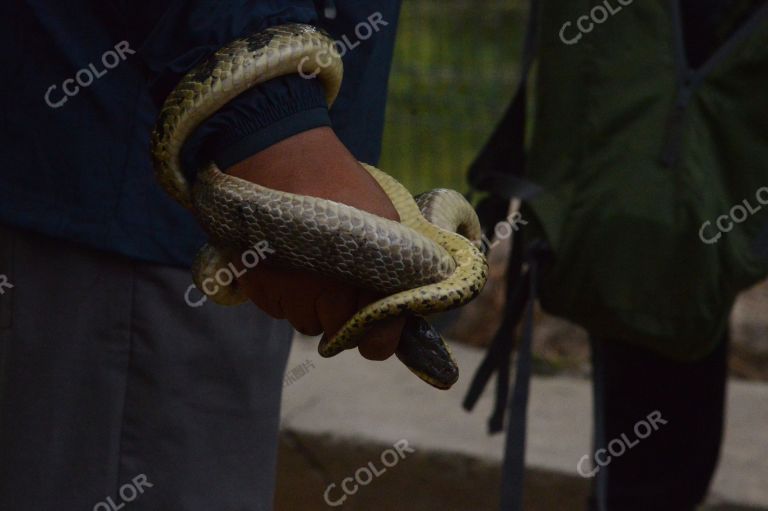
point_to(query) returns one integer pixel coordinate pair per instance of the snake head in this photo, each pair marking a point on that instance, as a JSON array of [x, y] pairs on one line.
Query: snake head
[[425, 353]]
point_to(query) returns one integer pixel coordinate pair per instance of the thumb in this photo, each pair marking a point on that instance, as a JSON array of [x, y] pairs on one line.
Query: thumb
[[382, 340]]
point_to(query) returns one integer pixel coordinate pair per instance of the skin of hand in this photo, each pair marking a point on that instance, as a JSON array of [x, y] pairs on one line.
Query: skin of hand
[[316, 163]]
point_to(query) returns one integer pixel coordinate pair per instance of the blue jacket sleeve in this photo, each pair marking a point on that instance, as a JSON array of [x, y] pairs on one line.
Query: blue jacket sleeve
[[187, 32], [255, 120]]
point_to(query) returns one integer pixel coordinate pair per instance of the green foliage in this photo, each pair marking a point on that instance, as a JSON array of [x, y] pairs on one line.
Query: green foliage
[[455, 68]]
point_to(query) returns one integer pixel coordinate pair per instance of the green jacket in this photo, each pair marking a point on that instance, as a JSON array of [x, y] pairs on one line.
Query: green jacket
[[655, 174]]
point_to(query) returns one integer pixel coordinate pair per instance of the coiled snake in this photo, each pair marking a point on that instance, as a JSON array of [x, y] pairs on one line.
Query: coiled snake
[[421, 266]]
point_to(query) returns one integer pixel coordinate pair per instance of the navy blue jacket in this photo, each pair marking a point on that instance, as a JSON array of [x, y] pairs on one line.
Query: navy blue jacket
[[82, 84]]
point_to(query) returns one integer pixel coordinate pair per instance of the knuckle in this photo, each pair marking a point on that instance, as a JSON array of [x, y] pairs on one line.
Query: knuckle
[[310, 331], [377, 349], [306, 325]]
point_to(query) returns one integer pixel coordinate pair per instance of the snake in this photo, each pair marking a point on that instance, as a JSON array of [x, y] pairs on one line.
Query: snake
[[428, 262]]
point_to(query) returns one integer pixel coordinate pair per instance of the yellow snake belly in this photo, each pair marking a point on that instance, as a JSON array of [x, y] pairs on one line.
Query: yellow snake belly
[[421, 267]]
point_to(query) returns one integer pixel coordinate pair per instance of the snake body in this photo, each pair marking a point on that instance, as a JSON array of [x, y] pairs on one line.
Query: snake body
[[421, 265]]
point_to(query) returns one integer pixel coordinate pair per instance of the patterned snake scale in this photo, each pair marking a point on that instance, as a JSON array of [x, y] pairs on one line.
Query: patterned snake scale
[[424, 264]]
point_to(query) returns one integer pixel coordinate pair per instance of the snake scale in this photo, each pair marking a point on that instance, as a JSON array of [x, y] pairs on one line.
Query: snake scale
[[420, 265]]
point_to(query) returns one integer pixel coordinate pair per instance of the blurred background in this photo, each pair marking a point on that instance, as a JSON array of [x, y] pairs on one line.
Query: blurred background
[[454, 73]]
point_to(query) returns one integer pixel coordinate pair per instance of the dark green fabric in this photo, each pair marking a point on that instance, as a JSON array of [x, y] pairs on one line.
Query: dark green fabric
[[624, 226]]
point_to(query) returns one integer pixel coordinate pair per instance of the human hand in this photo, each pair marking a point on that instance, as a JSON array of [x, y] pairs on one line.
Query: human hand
[[316, 163]]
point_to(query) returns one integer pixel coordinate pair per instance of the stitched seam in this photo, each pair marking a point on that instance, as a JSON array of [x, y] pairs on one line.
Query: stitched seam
[[6, 330], [131, 329]]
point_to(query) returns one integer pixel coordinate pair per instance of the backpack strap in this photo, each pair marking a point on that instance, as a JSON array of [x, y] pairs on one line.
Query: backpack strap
[[499, 170], [689, 79], [521, 297], [497, 358], [500, 166], [513, 469]]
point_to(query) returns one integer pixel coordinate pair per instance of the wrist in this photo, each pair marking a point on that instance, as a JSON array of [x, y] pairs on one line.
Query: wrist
[[316, 163]]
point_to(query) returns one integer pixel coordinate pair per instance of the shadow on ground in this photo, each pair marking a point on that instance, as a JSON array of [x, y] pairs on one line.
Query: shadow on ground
[[420, 481]]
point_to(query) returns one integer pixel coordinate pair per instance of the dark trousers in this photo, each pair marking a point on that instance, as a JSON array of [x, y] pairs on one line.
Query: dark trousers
[[115, 393], [672, 466]]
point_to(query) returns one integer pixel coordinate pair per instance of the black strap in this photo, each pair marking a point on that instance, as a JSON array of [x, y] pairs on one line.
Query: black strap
[[513, 470], [499, 168], [522, 292], [499, 352], [690, 79]]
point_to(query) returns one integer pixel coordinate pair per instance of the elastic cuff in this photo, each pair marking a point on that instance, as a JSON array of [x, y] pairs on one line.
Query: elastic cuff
[[254, 120], [246, 146]]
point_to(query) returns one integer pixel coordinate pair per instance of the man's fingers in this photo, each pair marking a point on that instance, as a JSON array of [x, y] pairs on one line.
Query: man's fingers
[[315, 304], [335, 307], [302, 288], [257, 284], [381, 342], [335, 310]]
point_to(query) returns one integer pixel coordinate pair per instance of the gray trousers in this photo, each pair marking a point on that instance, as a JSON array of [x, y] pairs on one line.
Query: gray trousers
[[116, 394]]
